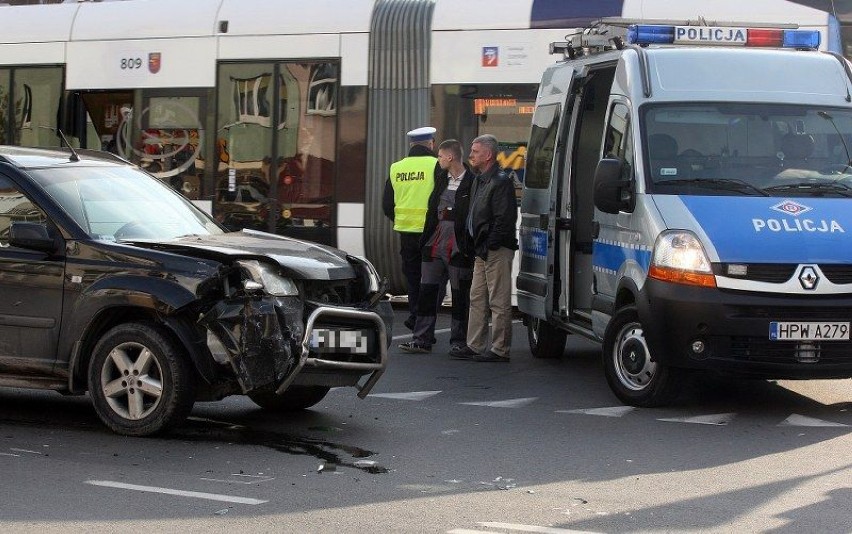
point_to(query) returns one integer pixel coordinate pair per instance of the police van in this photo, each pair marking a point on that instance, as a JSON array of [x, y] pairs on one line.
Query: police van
[[688, 204]]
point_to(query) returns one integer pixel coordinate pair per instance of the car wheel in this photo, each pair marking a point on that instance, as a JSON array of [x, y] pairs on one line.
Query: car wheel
[[546, 341], [140, 380], [632, 374], [294, 399]]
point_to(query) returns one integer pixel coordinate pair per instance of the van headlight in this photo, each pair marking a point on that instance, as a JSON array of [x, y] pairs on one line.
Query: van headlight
[[260, 276], [679, 258]]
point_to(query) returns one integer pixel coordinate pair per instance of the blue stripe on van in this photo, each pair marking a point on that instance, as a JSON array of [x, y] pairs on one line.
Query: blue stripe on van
[[611, 256]]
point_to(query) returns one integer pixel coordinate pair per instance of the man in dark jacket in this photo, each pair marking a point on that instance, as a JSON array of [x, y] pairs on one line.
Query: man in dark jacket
[[405, 199], [442, 256], [490, 236]]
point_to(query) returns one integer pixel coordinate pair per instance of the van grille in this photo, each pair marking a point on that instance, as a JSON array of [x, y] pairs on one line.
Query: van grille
[[759, 350]]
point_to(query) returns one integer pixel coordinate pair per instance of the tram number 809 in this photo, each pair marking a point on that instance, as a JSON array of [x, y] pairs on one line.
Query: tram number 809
[[131, 63]]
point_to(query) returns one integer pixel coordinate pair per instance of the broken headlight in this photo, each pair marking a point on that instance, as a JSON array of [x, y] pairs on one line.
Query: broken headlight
[[260, 276], [373, 282]]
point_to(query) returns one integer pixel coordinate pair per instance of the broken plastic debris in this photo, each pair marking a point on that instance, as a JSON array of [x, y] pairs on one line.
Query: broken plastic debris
[[530, 491], [365, 463], [327, 467], [223, 511]]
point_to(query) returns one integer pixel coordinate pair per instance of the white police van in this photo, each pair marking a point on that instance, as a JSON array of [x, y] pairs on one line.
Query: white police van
[[688, 203]]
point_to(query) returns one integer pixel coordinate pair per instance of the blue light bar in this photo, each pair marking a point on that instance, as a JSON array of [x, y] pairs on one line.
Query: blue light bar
[[801, 39], [644, 34]]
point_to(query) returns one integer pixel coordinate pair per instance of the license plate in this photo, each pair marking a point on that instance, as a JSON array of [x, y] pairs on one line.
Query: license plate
[[808, 331], [325, 340]]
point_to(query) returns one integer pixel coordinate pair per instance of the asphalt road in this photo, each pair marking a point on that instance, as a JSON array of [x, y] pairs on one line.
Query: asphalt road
[[446, 446]]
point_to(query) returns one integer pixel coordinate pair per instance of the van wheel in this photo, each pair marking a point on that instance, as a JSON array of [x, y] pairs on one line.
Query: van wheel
[[546, 341], [140, 380], [294, 399], [632, 375]]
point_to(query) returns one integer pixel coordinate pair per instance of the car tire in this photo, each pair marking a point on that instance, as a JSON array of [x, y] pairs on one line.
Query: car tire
[[631, 373], [294, 399], [545, 340], [140, 380]]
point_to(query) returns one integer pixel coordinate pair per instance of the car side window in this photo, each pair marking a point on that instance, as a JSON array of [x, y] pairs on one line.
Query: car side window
[[15, 207]]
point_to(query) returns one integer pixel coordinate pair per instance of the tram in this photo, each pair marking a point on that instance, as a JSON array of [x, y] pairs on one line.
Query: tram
[[284, 115]]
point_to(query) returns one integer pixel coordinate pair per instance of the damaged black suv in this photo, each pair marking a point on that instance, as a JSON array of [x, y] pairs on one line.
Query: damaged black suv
[[112, 283]]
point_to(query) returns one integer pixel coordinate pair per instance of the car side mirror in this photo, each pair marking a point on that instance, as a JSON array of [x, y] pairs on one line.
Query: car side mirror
[[33, 236], [613, 193]]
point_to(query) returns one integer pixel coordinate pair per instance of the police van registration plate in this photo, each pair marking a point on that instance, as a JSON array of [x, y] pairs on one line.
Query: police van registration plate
[[789, 331]]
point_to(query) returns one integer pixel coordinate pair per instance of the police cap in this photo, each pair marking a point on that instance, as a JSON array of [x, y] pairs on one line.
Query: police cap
[[421, 134]]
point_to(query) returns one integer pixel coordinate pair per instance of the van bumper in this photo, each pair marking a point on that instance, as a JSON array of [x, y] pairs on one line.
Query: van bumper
[[734, 330]]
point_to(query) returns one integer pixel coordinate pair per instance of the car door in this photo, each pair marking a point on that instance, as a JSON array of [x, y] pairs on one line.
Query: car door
[[31, 291], [539, 222]]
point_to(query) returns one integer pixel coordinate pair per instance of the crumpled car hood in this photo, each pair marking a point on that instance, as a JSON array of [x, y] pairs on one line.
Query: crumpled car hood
[[300, 259]]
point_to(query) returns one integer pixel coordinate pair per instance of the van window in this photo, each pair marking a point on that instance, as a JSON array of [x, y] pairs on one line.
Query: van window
[[542, 146], [618, 141], [748, 149]]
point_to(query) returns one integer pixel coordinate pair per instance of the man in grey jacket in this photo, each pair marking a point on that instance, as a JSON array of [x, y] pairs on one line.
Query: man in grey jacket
[[491, 237]]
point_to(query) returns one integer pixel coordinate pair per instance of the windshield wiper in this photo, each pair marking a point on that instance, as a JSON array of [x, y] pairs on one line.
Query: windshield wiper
[[818, 188], [729, 184]]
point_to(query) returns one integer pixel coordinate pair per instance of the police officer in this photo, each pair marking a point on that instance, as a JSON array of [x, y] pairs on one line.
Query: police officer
[[405, 202]]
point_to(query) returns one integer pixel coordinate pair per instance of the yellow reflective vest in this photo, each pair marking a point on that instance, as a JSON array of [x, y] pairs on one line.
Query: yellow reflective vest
[[412, 179]]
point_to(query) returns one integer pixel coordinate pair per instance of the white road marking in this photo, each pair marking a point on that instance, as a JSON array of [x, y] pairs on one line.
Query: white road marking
[[532, 528], [440, 331], [405, 336], [614, 411], [511, 403], [468, 531], [719, 419], [25, 450], [801, 420], [224, 481], [411, 395], [179, 493]]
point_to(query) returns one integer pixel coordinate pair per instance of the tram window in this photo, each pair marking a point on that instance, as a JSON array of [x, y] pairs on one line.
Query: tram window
[[37, 94], [4, 106]]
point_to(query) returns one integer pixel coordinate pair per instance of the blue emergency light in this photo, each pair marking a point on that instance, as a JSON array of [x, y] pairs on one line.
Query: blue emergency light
[[644, 34]]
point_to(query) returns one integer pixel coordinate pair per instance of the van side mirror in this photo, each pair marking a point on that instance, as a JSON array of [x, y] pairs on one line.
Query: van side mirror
[[612, 192], [33, 236]]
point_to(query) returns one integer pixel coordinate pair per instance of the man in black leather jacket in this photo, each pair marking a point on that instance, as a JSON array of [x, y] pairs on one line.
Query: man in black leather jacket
[[491, 236]]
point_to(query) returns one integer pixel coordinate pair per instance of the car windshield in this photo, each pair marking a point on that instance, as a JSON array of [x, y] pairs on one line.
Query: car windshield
[[748, 149], [112, 203]]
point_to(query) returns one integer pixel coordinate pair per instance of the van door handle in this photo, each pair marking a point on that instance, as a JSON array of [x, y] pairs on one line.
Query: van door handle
[[563, 223]]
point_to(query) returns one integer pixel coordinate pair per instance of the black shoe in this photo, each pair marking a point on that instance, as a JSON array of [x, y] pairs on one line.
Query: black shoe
[[413, 346], [463, 352], [409, 323], [490, 357]]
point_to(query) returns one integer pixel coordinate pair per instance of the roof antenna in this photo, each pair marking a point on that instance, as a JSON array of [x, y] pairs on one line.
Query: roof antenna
[[74, 156]]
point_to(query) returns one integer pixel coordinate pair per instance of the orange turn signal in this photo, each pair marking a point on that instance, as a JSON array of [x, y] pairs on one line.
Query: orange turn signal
[[677, 276]]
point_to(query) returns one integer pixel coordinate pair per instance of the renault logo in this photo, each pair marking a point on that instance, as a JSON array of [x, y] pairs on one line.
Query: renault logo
[[808, 278]]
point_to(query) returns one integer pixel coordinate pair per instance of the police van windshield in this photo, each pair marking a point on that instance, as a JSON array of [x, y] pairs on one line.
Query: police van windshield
[[748, 149]]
